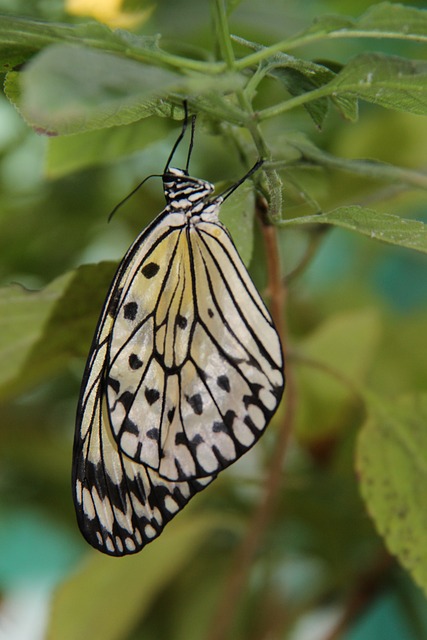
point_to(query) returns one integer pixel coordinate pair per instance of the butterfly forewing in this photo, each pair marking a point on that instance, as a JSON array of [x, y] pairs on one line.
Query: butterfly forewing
[[184, 374]]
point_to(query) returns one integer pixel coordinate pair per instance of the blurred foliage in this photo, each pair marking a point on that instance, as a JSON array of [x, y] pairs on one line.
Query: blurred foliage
[[334, 97]]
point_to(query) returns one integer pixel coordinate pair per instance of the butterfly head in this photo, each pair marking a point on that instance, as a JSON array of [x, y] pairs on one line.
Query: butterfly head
[[184, 192]]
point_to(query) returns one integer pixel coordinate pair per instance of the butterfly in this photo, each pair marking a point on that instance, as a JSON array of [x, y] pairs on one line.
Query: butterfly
[[184, 373]]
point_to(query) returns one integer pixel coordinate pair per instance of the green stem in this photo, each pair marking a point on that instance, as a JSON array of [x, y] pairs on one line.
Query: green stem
[[370, 168], [223, 33], [299, 41], [297, 101], [224, 41]]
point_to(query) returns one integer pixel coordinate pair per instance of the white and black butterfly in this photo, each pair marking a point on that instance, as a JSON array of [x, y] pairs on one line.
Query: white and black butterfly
[[184, 373]]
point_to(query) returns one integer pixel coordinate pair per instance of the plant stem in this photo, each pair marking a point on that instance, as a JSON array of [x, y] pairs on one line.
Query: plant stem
[[223, 33], [297, 101], [299, 41]]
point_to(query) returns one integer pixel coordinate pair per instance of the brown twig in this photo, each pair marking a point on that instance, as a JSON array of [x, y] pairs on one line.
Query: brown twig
[[244, 556]]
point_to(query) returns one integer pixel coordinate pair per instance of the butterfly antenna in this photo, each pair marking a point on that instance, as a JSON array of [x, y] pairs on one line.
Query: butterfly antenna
[[225, 194], [154, 175], [190, 148], [180, 137]]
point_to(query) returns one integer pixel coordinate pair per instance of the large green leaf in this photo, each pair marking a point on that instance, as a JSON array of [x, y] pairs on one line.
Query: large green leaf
[[389, 81], [20, 37], [378, 226], [383, 20], [386, 19], [107, 596], [42, 330], [300, 76], [66, 154], [332, 363], [70, 89], [392, 465], [23, 317]]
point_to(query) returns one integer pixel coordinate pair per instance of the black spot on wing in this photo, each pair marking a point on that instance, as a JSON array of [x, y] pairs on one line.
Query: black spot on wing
[[134, 361], [223, 383], [114, 384], [126, 399], [153, 434], [129, 426], [152, 395], [180, 438], [150, 270], [181, 321], [171, 414], [196, 403], [130, 310]]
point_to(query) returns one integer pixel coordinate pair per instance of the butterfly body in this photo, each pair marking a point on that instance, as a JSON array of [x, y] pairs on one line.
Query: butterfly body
[[185, 372]]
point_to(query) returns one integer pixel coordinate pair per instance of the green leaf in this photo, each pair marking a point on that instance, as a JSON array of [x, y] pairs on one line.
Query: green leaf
[[66, 154], [389, 81], [23, 315], [237, 213], [108, 596], [20, 38], [386, 19], [300, 76], [41, 330], [369, 168], [70, 89], [297, 75], [379, 226], [333, 361], [394, 18], [392, 464]]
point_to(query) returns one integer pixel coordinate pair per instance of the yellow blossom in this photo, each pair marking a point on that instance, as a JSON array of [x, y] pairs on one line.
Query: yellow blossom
[[108, 11]]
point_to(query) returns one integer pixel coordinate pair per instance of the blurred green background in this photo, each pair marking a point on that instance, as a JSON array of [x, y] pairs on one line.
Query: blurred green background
[[356, 299]]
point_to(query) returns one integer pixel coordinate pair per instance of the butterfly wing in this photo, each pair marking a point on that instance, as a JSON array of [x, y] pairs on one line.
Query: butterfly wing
[[121, 504], [185, 372]]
